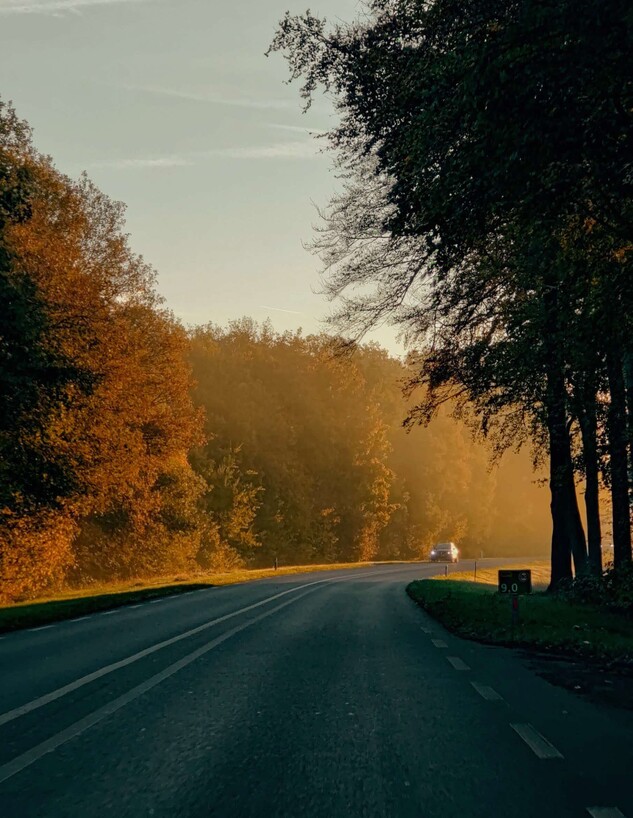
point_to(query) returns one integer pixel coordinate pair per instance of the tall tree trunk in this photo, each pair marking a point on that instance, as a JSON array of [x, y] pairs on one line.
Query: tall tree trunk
[[628, 383], [589, 432], [568, 536], [618, 451]]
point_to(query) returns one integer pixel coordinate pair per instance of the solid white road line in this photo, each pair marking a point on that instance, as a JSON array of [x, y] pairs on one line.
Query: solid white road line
[[10, 715], [20, 763], [604, 812], [457, 663], [79, 619], [109, 613], [536, 742], [439, 643], [486, 692], [41, 628]]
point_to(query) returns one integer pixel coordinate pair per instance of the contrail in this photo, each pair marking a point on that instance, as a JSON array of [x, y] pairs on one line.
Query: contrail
[[279, 309]]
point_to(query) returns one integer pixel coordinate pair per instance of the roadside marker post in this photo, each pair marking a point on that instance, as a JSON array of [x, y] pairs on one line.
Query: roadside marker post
[[514, 584], [515, 612]]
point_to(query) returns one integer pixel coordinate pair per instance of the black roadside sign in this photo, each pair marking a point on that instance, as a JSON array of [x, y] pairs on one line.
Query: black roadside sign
[[515, 582]]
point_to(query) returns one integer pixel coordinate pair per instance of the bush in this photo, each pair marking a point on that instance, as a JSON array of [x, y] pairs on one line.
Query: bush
[[612, 590], [215, 554], [618, 585], [583, 590], [35, 554]]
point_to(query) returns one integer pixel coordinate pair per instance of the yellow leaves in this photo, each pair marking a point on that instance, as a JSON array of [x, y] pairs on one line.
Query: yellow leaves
[[36, 553], [620, 254]]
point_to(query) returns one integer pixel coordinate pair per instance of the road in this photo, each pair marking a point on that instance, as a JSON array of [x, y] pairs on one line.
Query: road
[[325, 694]]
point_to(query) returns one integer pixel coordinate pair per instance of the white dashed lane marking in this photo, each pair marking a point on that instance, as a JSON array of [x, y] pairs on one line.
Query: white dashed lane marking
[[439, 643], [604, 812], [42, 628], [486, 692], [457, 663], [539, 745], [109, 613]]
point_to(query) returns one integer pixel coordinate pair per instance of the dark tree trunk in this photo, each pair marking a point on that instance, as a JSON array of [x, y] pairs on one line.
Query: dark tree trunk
[[628, 383], [568, 536], [589, 431], [618, 452]]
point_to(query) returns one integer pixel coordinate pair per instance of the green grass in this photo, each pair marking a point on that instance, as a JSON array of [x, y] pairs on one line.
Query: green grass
[[95, 598], [31, 614], [476, 611]]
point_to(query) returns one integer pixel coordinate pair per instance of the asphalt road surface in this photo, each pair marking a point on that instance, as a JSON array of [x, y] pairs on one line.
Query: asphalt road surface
[[324, 694]]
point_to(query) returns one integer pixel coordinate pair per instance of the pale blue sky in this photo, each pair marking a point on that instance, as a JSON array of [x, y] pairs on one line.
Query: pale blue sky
[[171, 107]]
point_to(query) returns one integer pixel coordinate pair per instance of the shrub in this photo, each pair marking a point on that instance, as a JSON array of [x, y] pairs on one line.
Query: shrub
[[618, 586], [612, 590]]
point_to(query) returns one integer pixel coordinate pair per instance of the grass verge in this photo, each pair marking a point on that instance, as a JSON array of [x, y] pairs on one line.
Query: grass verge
[[476, 611], [96, 598], [489, 576]]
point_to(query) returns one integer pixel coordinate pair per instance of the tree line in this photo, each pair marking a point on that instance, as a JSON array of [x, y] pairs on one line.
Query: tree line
[[486, 210], [131, 446]]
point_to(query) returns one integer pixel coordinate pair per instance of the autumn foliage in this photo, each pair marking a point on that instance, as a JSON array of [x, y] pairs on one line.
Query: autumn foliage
[[95, 383], [133, 447]]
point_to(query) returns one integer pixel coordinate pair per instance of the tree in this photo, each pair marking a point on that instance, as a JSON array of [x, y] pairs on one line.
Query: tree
[[484, 123], [34, 378], [97, 390]]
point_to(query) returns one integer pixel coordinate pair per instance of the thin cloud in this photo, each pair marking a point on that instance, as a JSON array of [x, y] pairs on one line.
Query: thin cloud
[[215, 99], [55, 7], [279, 309], [279, 150], [144, 162], [296, 128]]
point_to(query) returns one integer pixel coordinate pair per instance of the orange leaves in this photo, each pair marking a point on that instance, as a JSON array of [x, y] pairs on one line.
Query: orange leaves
[[36, 553], [122, 416]]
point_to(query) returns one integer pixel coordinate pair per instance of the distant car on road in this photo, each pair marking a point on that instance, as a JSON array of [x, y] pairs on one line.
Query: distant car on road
[[445, 552]]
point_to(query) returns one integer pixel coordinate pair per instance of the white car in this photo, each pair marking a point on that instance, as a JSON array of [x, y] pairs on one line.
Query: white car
[[445, 552]]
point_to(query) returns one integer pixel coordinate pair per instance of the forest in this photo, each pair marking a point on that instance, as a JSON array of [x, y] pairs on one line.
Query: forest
[[132, 446]]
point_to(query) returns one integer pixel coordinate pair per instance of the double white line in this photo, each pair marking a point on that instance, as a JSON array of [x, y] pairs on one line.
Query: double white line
[[30, 756]]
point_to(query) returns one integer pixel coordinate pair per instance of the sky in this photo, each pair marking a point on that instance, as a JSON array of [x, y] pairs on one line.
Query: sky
[[171, 107]]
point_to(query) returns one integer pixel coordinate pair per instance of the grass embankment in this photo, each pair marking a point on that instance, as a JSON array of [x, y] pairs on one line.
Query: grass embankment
[[95, 598], [476, 611]]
